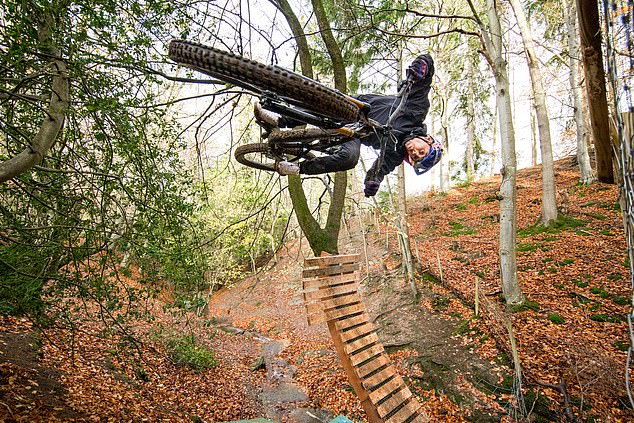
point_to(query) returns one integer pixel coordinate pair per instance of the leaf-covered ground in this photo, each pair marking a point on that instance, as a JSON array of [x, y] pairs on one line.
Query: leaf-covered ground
[[576, 277]]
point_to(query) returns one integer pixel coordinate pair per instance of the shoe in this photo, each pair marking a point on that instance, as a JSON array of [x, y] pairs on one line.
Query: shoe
[[287, 168], [264, 116]]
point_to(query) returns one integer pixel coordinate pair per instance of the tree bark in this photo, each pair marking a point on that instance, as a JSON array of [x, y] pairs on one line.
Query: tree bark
[[586, 176], [590, 30], [508, 215], [55, 114], [549, 199], [471, 128], [298, 32], [403, 231], [319, 239], [334, 51]]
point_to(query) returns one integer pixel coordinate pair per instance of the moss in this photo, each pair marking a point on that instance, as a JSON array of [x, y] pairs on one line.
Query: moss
[[428, 277], [622, 346], [459, 229], [579, 283], [526, 247], [540, 406], [600, 292], [606, 318], [562, 223], [526, 305], [582, 300], [462, 328], [185, 349], [440, 302], [565, 222], [583, 233], [508, 382], [556, 318], [620, 300]]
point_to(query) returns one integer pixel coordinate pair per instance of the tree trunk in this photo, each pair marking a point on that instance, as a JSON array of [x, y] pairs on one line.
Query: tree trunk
[[507, 194], [549, 199], [334, 51], [300, 38], [403, 230], [586, 176], [534, 158], [494, 149], [55, 114], [471, 128], [590, 29], [319, 239]]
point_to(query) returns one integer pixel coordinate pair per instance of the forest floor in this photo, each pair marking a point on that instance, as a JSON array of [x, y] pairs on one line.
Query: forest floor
[[572, 335]]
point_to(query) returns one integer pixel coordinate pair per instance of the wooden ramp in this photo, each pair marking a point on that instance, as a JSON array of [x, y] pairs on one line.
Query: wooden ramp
[[331, 295]]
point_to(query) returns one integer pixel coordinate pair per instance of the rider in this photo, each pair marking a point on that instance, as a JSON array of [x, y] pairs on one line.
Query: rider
[[412, 143]]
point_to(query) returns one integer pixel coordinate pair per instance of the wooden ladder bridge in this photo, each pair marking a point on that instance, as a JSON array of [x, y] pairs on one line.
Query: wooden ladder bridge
[[331, 285]]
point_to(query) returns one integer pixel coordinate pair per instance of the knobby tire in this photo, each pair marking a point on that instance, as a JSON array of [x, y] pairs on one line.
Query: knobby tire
[[255, 76], [257, 155]]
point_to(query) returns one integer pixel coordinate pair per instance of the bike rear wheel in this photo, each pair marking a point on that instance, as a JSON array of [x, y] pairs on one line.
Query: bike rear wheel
[[252, 75], [258, 156]]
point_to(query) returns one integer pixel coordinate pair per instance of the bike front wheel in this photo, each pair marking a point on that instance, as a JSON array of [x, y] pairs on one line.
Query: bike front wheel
[[259, 156], [258, 77]]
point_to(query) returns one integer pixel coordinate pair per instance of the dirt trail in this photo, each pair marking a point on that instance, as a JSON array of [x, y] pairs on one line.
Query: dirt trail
[[271, 302]]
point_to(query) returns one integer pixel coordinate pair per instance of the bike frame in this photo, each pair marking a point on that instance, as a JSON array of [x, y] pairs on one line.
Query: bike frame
[[325, 132]]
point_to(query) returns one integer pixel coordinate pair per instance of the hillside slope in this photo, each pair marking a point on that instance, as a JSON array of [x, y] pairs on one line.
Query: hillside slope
[[272, 364]]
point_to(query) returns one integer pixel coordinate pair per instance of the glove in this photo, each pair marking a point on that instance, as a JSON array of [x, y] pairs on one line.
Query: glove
[[417, 70], [371, 188]]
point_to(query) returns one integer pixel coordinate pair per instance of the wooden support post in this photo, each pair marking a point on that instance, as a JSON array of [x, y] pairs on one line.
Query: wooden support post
[[477, 296]]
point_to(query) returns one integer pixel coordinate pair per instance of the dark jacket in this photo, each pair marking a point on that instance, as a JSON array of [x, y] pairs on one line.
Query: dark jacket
[[407, 124]]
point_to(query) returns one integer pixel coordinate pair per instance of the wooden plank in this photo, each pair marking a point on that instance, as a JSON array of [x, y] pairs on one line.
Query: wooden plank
[[316, 319], [393, 385], [329, 271], [329, 260], [336, 313], [362, 330], [330, 292], [421, 417], [368, 407], [344, 324], [379, 377], [398, 398], [326, 281], [373, 365], [333, 303], [370, 338], [404, 413], [366, 354]]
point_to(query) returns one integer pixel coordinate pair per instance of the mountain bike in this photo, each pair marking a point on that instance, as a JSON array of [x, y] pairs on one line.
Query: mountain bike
[[331, 117]]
